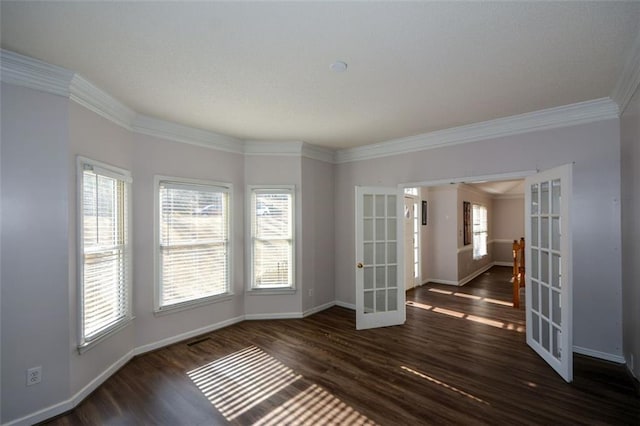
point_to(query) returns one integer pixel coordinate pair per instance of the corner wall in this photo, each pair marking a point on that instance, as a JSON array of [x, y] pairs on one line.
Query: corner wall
[[630, 156], [35, 223]]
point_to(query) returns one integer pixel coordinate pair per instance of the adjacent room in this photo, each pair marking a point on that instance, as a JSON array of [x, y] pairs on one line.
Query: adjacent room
[[305, 212]]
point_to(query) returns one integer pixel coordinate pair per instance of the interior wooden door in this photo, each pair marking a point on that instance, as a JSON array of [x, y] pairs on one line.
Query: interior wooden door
[[380, 295], [549, 263]]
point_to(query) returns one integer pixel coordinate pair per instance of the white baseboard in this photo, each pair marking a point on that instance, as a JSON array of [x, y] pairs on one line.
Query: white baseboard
[[475, 274], [319, 308], [445, 282], [469, 277], [597, 354], [71, 403], [346, 305], [187, 335], [275, 316]]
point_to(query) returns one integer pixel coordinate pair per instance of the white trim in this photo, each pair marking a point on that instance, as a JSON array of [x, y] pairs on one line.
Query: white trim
[[71, 403], [439, 281], [289, 149], [28, 72], [598, 354], [508, 197], [190, 135], [122, 175], [550, 118], [502, 241], [468, 247], [86, 94], [197, 185], [439, 184], [253, 190], [475, 274], [75, 400], [24, 71], [318, 308], [274, 316], [346, 305], [186, 335], [629, 78], [283, 148]]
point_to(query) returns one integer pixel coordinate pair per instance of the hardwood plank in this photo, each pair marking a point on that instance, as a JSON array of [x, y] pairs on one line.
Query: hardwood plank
[[461, 358]]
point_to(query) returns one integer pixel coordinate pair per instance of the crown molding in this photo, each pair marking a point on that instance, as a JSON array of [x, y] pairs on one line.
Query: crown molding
[[185, 134], [27, 72], [279, 148], [629, 78], [85, 93], [289, 148], [24, 71], [319, 153], [563, 116]]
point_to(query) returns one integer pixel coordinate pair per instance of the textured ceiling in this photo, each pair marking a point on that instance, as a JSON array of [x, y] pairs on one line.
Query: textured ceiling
[[260, 71]]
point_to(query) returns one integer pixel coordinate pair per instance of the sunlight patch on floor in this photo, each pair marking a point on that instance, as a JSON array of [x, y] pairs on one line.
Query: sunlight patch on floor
[[244, 379], [474, 318], [314, 406], [236, 383], [471, 296], [443, 384]]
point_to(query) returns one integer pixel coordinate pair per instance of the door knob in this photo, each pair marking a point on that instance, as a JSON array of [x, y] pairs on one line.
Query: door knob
[[360, 265]]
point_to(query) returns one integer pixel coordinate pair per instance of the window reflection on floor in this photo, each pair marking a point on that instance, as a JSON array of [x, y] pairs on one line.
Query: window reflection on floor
[[243, 380]]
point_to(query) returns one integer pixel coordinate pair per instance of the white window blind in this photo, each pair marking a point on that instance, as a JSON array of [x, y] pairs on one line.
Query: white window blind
[[104, 215], [272, 238], [194, 242], [480, 231]]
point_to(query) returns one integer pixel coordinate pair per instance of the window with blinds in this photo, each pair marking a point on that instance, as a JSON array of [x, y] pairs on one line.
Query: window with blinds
[[105, 252], [193, 241], [480, 231], [272, 248]]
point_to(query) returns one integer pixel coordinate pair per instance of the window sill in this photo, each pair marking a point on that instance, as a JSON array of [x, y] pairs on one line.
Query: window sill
[[170, 309], [108, 333], [270, 291]]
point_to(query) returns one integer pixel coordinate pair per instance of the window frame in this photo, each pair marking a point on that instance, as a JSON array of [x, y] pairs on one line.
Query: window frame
[[474, 233], [158, 307], [103, 169], [251, 213]]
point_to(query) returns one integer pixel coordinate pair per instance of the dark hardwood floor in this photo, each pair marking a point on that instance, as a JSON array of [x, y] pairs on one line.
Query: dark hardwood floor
[[461, 358]]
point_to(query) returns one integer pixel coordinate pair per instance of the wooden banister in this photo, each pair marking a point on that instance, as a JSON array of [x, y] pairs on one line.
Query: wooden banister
[[518, 270]]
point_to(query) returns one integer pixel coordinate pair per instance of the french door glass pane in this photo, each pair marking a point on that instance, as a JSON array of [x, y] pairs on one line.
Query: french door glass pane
[[380, 277], [367, 206], [367, 229], [544, 198], [368, 277], [555, 196]]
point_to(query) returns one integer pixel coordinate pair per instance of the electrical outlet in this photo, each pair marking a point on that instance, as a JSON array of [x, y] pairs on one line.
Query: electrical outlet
[[310, 292], [34, 375]]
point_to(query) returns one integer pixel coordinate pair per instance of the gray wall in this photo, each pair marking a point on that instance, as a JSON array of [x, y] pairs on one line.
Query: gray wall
[[35, 260], [42, 134], [317, 234], [630, 137], [507, 223], [595, 150]]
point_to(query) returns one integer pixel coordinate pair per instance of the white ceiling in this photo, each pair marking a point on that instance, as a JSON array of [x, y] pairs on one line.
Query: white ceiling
[[260, 71]]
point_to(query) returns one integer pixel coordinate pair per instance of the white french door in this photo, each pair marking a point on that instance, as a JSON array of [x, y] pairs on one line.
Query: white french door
[[380, 293], [549, 268]]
